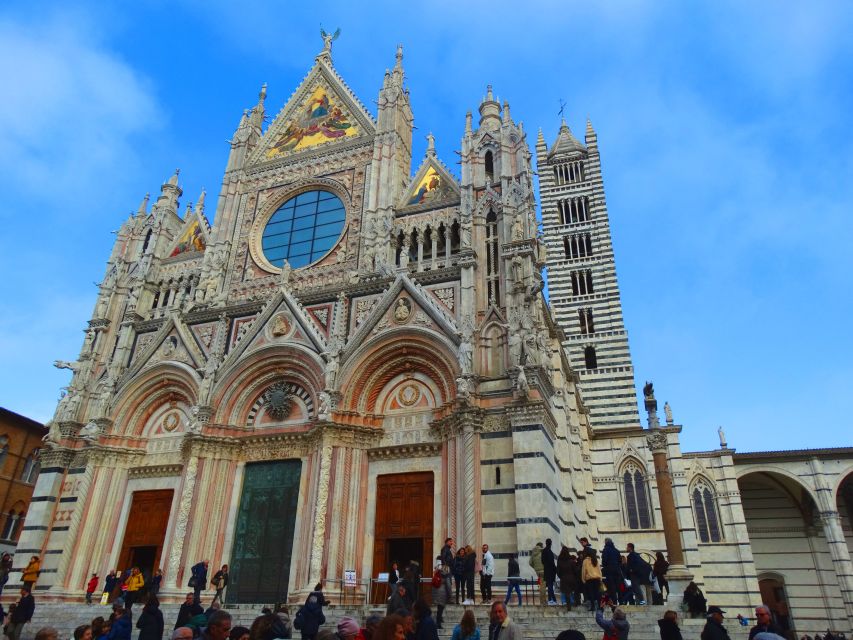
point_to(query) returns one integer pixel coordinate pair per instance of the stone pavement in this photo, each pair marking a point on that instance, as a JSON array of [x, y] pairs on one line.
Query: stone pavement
[[538, 623]]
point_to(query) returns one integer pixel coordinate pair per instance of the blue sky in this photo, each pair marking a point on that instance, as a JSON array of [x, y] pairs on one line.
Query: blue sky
[[723, 128]]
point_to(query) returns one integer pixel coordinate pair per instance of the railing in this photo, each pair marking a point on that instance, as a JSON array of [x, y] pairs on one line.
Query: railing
[[377, 592]]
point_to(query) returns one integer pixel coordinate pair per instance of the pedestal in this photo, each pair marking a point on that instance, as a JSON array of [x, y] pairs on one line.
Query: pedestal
[[678, 578]]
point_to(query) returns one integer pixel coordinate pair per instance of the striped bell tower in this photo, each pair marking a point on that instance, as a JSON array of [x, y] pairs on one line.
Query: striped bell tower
[[584, 293]]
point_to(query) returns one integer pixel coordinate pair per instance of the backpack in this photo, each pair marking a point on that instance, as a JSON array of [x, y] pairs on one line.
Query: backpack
[[437, 579], [299, 618]]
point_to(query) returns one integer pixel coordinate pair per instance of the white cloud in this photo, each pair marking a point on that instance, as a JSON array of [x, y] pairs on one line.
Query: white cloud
[[71, 108]]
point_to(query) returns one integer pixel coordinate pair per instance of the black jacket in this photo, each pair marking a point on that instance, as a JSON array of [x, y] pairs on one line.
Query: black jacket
[[513, 570], [714, 631], [24, 610], [765, 628], [150, 624], [549, 562], [187, 612], [669, 630], [470, 563]]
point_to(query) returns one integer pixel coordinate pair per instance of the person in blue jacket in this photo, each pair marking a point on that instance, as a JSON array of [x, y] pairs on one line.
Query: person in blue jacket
[[310, 617]]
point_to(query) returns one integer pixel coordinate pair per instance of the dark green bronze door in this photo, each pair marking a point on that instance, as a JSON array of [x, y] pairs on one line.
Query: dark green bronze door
[[263, 539]]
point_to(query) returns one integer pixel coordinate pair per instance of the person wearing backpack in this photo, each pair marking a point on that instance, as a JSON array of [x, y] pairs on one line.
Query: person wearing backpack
[[310, 616], [440, 589], [639, 572]]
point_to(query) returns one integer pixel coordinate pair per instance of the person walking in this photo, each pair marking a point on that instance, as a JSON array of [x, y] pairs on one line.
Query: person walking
[[219, 582], [714, 629], [536, 563], [90, 587], [110, 583], [156, 582], [469, 569], [467, 628], [639, 571], [459, 572], [486, 575], [549, 567], [150, 622], [669, 626], [566, 572], [31, 573], [21, 614], [501, 626], [591, 576], [198, 579], [617, 627], [513, 580]]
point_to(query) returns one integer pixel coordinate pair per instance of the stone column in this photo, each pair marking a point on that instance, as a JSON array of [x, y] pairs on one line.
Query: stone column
[[678, 576], [320, 509], [835, 540], [180, 534]]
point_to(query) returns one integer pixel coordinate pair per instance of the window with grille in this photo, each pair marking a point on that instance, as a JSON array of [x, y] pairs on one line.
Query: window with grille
[[705, 512], [637, 511], [493, 278]]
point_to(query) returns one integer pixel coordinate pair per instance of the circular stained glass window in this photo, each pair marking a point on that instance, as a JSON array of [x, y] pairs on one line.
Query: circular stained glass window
[[303, 229]]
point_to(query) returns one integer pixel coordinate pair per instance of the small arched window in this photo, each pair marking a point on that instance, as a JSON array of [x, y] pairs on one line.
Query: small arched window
[[637, 509], [147, 241], [493, 278], [9, 525], [705, 513], [31, 467], [489, 161]]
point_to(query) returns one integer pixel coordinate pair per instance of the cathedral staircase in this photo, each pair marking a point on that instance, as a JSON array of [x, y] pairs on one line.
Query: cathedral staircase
[[537, 623]]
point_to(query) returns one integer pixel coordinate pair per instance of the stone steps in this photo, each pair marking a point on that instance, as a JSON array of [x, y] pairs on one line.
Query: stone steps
[[538, 623]]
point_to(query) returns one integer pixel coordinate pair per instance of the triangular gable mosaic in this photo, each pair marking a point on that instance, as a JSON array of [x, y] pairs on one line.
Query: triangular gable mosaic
[[322, 111], [432, 186], [193, 236]]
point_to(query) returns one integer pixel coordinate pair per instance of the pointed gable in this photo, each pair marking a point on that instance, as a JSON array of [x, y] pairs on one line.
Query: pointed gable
[[320, 112], [193, 236], [433, 186]]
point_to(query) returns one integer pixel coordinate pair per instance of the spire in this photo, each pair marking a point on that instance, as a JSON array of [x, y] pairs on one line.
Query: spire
[[169, 194], [566, 142], [143, 206], [174, 179], [506, 117], [490, 111], [591, 137], [199, 206], [257, 116], [189, 210], [489, 96], [399, 75]]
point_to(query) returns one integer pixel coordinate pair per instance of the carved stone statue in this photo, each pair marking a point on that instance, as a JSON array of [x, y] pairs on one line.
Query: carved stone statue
[[463, 389], [667, 412], [64, 364], [722, 434], [284, 277], [332, 358], [466, 355], [521, 384], [648, 390], [91, 431], [324, 411]]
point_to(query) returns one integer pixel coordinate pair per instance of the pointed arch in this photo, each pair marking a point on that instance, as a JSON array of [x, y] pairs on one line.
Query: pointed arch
[[407, 351], [237, 392], [165, 382], [636, 496], [706, 513]]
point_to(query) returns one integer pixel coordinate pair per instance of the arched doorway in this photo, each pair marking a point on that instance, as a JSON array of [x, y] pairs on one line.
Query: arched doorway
[[773, 594]]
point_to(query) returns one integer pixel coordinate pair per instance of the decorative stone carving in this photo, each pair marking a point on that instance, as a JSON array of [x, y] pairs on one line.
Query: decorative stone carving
[[277, 401], [182, 519], [657, 441], [402, 310]]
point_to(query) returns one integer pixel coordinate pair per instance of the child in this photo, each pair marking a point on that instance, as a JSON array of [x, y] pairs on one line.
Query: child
[[90, 588]]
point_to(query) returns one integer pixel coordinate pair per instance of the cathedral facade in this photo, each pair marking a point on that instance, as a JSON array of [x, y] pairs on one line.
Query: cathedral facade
[[356, 361]]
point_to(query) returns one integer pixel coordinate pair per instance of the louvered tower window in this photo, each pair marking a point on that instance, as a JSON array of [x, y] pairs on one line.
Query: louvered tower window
[[493, 278]]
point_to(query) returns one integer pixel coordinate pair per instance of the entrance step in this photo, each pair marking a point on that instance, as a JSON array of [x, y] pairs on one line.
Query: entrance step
[[537, 623]]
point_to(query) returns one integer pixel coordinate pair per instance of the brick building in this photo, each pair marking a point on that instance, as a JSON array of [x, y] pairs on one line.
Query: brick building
[[20, 441]]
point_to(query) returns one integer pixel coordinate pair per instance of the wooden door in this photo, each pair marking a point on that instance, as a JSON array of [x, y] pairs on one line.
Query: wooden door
[[146, 530], [773, 594], [263, 539], [404, 510]]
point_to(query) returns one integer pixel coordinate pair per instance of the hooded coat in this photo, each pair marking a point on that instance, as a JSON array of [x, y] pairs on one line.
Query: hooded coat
[[312, 615], [669, 629], [536, 559], [567, 572]]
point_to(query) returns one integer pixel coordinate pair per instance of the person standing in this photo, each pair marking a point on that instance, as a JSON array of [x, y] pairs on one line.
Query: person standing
[[31, 573], [446, 554], [134, 583], [536, 562], [310, 617], [121, 625], [765, 622], [110, 583], [714, 629], [150, 623], [425, 627], [459, 572], [549, 567], [669, 626], [639, 571], [21, 614], [189, 609], [467, 628], [501, 626], [440, 590], [566, 571], [90, 587], [5, 570], [447, 560], [486, 575], [617, 627], [220, 581], [660, 567], [591, 576], [156, 582], [513, 573], [469, 569], [611, 568]]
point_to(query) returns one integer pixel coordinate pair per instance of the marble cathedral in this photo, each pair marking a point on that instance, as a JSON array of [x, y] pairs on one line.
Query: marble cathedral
[[356, 360]]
